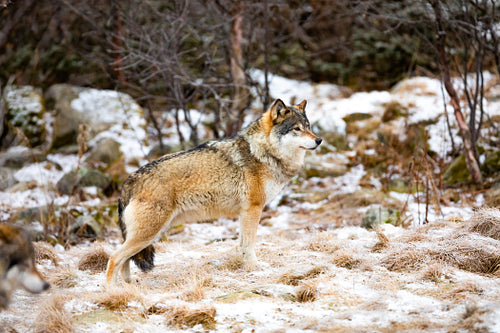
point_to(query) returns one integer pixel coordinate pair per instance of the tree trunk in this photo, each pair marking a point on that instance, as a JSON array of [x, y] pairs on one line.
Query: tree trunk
[[470, 151], [240, 98]]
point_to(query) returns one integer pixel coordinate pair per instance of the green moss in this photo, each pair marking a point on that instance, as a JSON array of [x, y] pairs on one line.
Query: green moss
[[456, 172]]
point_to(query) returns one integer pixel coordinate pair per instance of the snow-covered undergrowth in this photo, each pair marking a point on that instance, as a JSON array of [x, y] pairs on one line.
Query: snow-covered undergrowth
[[320, 272]]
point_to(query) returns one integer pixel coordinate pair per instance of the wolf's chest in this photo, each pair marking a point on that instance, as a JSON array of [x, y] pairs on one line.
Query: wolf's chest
[[272, 189]]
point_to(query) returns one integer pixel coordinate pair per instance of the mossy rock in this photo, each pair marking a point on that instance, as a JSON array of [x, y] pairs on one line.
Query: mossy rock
[[379, 215], [399, 185], [81, 178], [456, 172], [491, 165], [25, 110]]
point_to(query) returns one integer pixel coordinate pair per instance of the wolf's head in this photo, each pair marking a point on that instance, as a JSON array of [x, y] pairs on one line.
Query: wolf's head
[[289, 129], [17, 264]]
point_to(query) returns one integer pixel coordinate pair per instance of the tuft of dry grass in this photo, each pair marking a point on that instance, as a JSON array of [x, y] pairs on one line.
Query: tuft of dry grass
[[466, 251], [307, 293], [45, 251], [324, 242], [53, 318], [117, 298], [293, 279], [472, 320], [346, 259], [434, 272], [462, 291], [95, 260], [64, 279], [485, 222], [182, 316], [383, 241]]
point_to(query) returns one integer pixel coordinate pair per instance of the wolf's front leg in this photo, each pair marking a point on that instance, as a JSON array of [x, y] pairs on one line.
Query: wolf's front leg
[[249, 221]]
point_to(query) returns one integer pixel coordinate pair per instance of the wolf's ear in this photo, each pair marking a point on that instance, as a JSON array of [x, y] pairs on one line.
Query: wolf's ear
[[278, 109], [302, 106]]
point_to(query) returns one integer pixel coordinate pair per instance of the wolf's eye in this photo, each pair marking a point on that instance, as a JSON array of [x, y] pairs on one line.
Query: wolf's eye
[[297, 128]]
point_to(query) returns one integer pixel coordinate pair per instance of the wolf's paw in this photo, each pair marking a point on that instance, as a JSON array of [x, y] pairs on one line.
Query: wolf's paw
[[255, 265]]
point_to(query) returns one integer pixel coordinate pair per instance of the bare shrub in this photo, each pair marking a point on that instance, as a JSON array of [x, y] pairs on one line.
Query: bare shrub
[[118, 298], [45, 251], [293, 279], [182, 316], [52, 317], [95, 260], [486, 222]]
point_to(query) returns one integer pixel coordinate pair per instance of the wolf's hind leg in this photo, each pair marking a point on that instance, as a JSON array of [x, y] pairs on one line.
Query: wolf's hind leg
[[126, 271]]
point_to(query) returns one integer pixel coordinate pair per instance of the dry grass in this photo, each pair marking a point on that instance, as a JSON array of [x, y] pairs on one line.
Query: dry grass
[[486, 222], [308, 292], [95, 260], [64, 279], [293, 278], [346, 259], [182, 316], [117, 298], [434, 272], [45, 251], [324, 242], [53, 318], [472, 320], [383, 241]]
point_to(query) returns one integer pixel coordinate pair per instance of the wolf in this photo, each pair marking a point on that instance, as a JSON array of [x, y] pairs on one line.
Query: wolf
[[17, 264], [230, 177]]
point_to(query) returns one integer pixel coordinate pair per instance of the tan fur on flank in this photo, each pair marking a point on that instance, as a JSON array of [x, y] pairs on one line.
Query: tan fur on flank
[[230, 177]]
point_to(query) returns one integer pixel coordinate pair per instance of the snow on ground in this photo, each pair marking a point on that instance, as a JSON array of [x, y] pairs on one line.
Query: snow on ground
[[353, 290]]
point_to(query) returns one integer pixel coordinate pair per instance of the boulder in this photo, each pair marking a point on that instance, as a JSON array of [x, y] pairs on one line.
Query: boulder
[[82, 178], [25, 110], [377, 216], [99, 109], [456, 172], [105, 153], [85, 227], [17, 157], [7, 178]]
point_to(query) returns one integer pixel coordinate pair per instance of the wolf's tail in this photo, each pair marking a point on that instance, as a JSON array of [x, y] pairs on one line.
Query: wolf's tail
[[145, 258]]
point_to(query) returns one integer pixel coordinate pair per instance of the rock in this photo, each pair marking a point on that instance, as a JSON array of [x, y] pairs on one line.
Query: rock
[[106, 152], [491, 165], [456, 172], [33, 214], [84, 177], [85, 227], [7, 178], [99, 109], [18, 157], [329, 165], [25, 111], [377, 216], [399, 185]]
